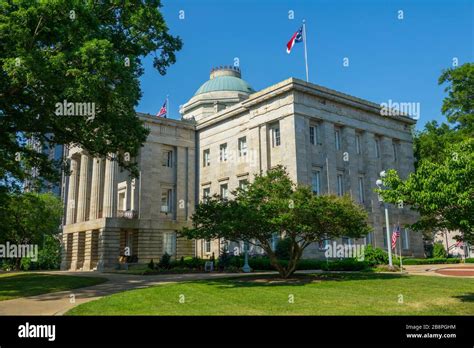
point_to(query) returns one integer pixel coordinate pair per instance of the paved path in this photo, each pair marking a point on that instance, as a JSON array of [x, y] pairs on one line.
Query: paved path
[[465, 270], [58, 303]]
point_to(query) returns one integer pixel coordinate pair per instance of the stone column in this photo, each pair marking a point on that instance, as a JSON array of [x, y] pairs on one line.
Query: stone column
[[76, 252], [110, 194], [71, 198], [83, 184], [66, 251], [95, 188], [88, 251], [108, 249]]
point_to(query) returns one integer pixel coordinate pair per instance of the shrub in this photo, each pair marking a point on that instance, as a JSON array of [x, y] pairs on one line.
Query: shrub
[[345, 265], [283, 249], [386, 268], [439, 251], [224, 260], [469, 260], [433, 261], [151, 264], [165, 261], [375, 256], [25, 263], [49, 257]]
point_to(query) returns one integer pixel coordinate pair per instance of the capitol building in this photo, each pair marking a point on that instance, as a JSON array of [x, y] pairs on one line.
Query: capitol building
[[331, 141]]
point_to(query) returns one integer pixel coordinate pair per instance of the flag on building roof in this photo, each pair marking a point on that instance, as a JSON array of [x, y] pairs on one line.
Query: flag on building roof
[[297, 37], [395, 236], [163, 111]]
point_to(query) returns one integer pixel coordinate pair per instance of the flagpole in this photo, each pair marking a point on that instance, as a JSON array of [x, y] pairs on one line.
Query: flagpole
[[168, 109], [305, 50], [400, 250]]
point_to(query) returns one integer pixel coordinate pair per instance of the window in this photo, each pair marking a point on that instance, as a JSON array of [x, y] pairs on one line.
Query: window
[[314, 135], [207, 246], [122, 200], [224, 191], [337, 138], [243, 184], [206, 158], [243, 146], [167, 160], [316, 182], [358, 149], [346, 241], [406, 239], [340, 185], [169, 243], [223, 152], [206, 193], [394, 147], [275, 239], [369, 238], [377, 148], [325, 244], [361, 189], [166, 200], [276, 141]]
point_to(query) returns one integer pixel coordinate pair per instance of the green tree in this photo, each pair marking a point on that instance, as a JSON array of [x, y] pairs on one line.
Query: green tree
[[274, 204], [443, 193], [28, 218], [458, 106], [80, 52]]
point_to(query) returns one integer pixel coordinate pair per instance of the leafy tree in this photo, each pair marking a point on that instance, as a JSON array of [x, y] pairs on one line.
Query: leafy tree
[[458, 106], [80, 52], [274, 204], [443, 193], [439, 251], [28, 218]]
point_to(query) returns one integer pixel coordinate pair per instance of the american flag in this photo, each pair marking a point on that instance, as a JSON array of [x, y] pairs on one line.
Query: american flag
[[395, 236], [459, 244], [163, 111]]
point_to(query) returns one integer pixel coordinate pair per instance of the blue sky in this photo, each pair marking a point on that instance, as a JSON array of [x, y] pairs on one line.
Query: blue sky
[[389, 58]]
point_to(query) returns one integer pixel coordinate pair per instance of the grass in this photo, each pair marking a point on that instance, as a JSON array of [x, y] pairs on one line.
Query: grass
[[322, 294], [14, 285]]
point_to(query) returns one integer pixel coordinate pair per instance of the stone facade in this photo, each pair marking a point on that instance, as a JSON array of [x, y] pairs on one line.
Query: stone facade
[[110, 215], [334, 142]]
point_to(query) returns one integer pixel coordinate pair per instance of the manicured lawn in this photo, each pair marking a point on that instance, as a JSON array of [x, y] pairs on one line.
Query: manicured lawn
[[14, 285], [323, 294]]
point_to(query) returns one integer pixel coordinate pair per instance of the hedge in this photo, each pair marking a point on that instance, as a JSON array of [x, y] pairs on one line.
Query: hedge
[[433, 261]]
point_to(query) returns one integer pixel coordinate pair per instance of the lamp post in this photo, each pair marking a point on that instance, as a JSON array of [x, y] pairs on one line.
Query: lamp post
[[246, 267], [379, 184]]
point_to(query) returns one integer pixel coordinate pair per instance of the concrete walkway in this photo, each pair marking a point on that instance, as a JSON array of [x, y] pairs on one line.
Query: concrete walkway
[[58, 303], [442, 270]]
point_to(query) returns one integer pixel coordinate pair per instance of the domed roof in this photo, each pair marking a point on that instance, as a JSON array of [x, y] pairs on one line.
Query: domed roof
[[225, 79]]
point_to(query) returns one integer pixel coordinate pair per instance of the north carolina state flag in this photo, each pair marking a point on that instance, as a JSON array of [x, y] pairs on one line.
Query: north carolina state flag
[[297, 37]]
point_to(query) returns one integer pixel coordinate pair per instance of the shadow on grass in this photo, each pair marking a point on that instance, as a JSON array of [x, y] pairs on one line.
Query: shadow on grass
[[297, 279], [31, 284], [466, 298]]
